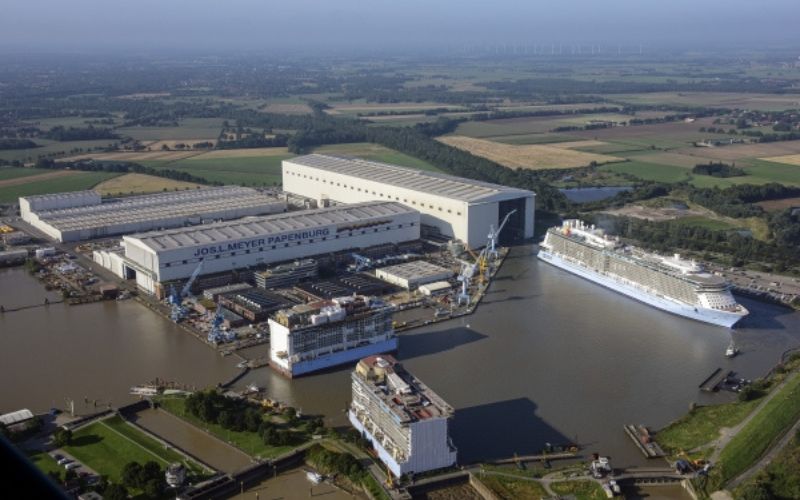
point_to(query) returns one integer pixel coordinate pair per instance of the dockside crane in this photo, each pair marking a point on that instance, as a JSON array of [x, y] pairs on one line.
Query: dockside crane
[[465, 276], [494, 235], [178, 310]]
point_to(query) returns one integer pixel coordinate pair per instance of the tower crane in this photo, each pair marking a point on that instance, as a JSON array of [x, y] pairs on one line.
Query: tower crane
[[178, 311], [494, 235]]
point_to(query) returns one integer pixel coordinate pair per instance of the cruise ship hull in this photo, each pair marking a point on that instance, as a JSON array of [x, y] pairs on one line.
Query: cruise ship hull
[[714, 317], [336, 358]]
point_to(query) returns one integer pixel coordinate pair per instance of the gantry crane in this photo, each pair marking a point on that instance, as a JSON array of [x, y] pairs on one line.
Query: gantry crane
[[494, 235]]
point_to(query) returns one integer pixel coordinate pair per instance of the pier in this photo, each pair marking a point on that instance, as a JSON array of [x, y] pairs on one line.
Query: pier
[[711, 384], [642, 438]]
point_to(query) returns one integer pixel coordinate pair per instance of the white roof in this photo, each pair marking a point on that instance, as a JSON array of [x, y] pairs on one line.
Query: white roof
[[145, 208], [448, 186], [16, 416], [60, 196], [253, 227], [437, 286]]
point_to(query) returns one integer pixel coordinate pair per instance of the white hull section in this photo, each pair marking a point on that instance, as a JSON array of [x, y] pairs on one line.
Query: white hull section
[[713, 316]]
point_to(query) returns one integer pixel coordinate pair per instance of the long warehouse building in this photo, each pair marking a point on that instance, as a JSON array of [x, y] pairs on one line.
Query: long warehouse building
[[174, 254], [459, 208], [84, 215]]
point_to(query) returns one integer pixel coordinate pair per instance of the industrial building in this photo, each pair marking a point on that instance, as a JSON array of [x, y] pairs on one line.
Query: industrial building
[[174, 254], [85, 215], [410, 275], [458, 208], [285, 275], [406, 421], [311, 337]]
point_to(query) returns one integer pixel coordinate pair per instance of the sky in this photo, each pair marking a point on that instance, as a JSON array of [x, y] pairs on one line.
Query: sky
[[123, 25]]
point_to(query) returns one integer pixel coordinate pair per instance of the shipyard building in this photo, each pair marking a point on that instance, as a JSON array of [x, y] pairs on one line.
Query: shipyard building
[[455, 207], [84, 215], [311, 337], [162, 256], [406, 421]]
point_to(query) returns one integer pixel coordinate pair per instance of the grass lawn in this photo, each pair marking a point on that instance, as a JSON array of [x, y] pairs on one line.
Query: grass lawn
[[702, 425], [106, 447], [250, 442], [77, 182], [765, 428], [780, 476], [512, 489], [648, 171], [45, 462], [149, 444], [189, 128], [581, 490]]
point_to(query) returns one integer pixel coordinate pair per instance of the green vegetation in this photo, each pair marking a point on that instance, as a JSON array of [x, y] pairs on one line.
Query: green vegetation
[[702, 425], [581, 490], [45, 462], [717, 169], [251, 442], [779, 479], [247, 171], [512, 489], [706, 223], [765, 428], [376, 152], [154, 447], [8, 173], [73, 182], [648, 171], [103, 448]]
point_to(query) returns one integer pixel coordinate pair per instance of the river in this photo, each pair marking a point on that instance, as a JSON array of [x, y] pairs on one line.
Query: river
[[547, 357]]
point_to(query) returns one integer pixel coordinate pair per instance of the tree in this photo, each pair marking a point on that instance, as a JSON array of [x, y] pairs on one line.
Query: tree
[[62, 437], [132, 474], [154, 488], [151, 470], [115, 492]]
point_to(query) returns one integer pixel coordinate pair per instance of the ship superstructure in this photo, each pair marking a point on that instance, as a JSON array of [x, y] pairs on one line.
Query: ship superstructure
[[310, 337], [673, 284]]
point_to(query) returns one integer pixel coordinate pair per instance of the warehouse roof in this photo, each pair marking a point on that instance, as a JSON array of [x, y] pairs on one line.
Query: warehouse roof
[[16, 416], [61, 196], [253, 227], [195, 202], [418, 269], [448, 186]]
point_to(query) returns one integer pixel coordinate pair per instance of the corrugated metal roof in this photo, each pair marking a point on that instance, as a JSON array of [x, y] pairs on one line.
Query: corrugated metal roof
[[448, 186], [16, 416], [253, 227]]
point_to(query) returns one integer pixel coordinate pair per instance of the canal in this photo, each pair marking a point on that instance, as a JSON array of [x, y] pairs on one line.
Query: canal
[[548, 357]]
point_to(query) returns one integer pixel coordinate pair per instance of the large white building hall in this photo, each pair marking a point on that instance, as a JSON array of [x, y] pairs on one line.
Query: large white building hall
[[85, 215], [174, 254], [460, 208]]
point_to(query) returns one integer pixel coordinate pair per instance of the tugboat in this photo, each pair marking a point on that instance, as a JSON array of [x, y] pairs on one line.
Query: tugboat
[[731, 351]]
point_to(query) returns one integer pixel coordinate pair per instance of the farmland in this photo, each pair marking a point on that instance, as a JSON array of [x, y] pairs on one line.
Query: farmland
[[188, 129], [376, 152], [140, 184], [532, 156], [73, 181]]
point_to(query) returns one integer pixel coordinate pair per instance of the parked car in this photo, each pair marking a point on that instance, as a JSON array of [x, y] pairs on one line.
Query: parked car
[[57, 456], [72, 465], [64, 461]]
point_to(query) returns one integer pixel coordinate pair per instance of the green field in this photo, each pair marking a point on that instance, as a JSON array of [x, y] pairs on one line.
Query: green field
[[763, 430], [648, 171], [512, 489], [76, 182], [249, 442], [108, 445], [780, 477], [375, 152], [44, 462], [581, 490], [49, 148], [702, 425], [7, 173], [246, 171], [189, 128], [524, 139]]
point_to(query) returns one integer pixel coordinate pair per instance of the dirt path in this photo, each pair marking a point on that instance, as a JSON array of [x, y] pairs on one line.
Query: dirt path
[[726, 434], [38, 177]]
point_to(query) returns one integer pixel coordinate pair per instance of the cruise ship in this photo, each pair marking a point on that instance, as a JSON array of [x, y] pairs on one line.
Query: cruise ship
[[672, 284], [311, 337]]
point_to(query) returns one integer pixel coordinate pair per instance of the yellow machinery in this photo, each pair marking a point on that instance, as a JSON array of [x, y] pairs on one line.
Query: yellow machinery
[[6, 229], [482, 264]]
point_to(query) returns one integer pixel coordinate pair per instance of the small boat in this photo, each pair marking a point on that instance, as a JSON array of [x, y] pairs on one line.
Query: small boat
[[253, 388], [314, 477], [242, 364], [731, 351]]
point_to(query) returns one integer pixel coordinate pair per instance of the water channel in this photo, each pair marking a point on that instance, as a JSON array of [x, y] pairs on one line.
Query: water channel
[[548, 357]]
